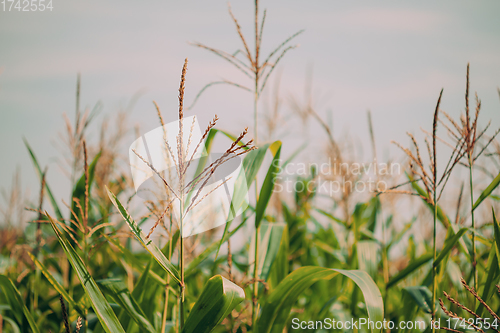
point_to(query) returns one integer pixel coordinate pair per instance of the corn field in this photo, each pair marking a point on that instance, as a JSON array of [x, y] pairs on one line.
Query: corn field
[[145, 244]]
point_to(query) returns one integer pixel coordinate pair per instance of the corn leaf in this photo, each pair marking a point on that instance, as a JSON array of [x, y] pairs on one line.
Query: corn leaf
[[53, 201], [268, 186], [119, 292], [219, 297], [494, 267], [147, 244], [101, 307], [368, 256], [413, 266], [270, 235], [493, 185], [79, 190], [280, 267], [16, 302], [422, 296], [13, 325], [57, 286], [135, 262], [276, 308], [449, 243]]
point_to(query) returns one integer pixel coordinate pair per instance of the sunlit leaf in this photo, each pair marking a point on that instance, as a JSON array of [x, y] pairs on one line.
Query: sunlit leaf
[[278, 304], [219, 297]]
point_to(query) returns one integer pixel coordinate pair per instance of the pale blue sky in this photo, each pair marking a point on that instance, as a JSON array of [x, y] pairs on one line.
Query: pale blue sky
[[392, 57]]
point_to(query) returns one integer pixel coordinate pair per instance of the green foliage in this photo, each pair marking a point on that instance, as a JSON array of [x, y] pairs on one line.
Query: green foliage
[[317, 257], [16, 303], [141, 237], [101, 306], [278, 304], [219, 297]]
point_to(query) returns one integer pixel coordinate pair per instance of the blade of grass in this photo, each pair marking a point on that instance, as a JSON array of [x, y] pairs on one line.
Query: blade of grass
[[276, 309], [218, 298], [39, 170], [493, 185], [413, 266], [147, 244], [268, 185], [103, 310], [16, 302], [57, 286], [119, 292], [449, 243], [422, 296]]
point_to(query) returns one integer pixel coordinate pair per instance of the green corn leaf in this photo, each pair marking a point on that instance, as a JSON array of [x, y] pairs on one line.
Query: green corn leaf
[[268, 186], [141, 284], [270, 235], [441, 215], [449, 243], [396, 238], [79, 190], [336, 253], [254, 158], [119, 292], [368, 256], [135, 262], [496, 227], [465, 243], [330, 216], [251, 165], [193, 265], [57, 286], [276, 308], [13, 325], [490, 279], [412, 267], [280, 267], [16, 302], [493, 265], [493, 185], [101, 306], [147, 244], [422, 296], [245, 178], [53, 201], [454, 273], [219, 297]]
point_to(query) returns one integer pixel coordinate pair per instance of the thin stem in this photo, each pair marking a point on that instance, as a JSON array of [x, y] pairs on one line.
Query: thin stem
[[474, 269], [434, 188], [181, 259], [256, 264], [165, 310], [85, 218], [255, 307], [434, 268], [167, 287]]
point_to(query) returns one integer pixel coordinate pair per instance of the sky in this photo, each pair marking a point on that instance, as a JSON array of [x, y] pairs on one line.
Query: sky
[[390, 57]]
